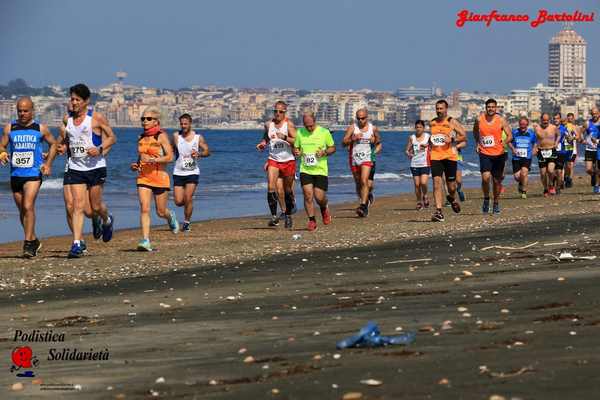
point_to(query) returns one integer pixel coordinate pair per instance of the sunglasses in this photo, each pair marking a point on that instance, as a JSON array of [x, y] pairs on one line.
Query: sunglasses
[[147, 119], [361, 119], [278, 111]]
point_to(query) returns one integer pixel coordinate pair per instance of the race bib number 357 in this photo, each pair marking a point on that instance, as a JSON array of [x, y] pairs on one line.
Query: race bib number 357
[[22, 159]]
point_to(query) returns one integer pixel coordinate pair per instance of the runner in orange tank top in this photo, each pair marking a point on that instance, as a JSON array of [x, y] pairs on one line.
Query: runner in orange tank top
[[487, 132], [445, 133], [154, 152]]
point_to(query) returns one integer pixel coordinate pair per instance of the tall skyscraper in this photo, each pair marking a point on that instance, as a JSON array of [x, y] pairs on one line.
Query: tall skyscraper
[[567, 60]]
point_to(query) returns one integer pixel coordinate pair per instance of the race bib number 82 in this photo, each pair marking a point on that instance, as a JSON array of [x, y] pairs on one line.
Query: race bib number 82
[[310, 160]]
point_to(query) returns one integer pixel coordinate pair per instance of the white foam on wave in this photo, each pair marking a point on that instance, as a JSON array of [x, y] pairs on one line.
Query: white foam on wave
[[52, 184], [470, 172], [238, 188], [472, 164]]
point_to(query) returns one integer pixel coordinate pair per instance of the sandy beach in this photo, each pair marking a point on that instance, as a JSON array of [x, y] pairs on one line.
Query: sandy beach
[[181, 322]]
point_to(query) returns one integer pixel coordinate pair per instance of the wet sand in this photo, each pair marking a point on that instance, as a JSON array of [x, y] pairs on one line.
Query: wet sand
[[522, 325]]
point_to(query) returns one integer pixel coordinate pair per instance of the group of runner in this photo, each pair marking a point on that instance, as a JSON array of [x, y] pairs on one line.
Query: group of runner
[[86, 138], [554, 143]]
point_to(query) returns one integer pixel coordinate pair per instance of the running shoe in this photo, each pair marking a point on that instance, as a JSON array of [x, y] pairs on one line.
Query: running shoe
[[461, 195], [327, 216], [546, 194], [173, 224], [31, 248], [288, 223], [144, 245], [371, 200], [596, 189], [437, 216], [425, 202], [97, 226], [552, 191], [419, 206], [185, 227], [312, 225], [454, 204], [485, 207], [360, 211], [523, 195], [83, 247], [496, 208], [107, 229], [274, 221], [76, 251]]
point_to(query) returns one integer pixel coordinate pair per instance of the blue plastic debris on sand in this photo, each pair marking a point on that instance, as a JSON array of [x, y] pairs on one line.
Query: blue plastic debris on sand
[[369, 336]]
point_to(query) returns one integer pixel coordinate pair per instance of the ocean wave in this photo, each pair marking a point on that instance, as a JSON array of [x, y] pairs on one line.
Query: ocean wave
[[470, 172], [237, 188]]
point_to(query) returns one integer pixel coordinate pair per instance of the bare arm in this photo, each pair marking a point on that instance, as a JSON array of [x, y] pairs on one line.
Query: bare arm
[[461, 134], [291, 133], [347, 140], [507, 129], [203, 146], [49, 138], [4, 144], [409, 148], [167, 148], [262, 144], [476, 131]]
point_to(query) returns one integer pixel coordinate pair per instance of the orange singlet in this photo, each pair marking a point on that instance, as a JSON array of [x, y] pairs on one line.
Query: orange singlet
[[440, 150], [153, 175], [490, 136]]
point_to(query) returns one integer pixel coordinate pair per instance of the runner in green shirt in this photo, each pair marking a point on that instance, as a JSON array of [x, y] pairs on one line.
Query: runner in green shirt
[[312, 145]]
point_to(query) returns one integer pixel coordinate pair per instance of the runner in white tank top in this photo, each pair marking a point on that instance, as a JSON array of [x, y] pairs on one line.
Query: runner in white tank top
[[417, 149], [87, 137], [279, 136], [362, 140], [189, 146]]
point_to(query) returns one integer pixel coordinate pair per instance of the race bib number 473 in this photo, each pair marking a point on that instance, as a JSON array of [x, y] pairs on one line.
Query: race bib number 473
[[22, 159]]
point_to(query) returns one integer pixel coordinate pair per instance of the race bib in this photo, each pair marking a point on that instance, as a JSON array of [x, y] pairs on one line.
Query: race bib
[[78, 150], [361, 156], [520, 152], [438, 140], [487, 141], [189, 163], [310, 160], [546, 153], [22, 159]]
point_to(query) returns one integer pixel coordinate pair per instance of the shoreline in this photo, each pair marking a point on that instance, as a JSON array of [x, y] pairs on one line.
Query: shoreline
[[244, 239]]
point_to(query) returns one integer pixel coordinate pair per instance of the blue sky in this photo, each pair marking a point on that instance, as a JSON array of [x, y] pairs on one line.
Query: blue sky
[[330, 44]]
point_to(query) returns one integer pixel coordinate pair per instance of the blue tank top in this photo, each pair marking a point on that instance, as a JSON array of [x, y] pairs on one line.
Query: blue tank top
[[25, 146], [523, 143], [594, 131], [562, 143]]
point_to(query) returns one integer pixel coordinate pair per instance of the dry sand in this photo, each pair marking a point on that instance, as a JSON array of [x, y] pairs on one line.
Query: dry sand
[[513, 323]]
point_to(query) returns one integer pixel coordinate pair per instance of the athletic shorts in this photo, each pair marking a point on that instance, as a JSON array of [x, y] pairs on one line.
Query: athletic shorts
[[418, 171], [155, 190], [356, 168], [444, 167], [591, 155], [182, 180], [286, 168], [318, 181], [518, 163], [90, 178], [493, 164], [543, 162], [562, 159], [17, 183]]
